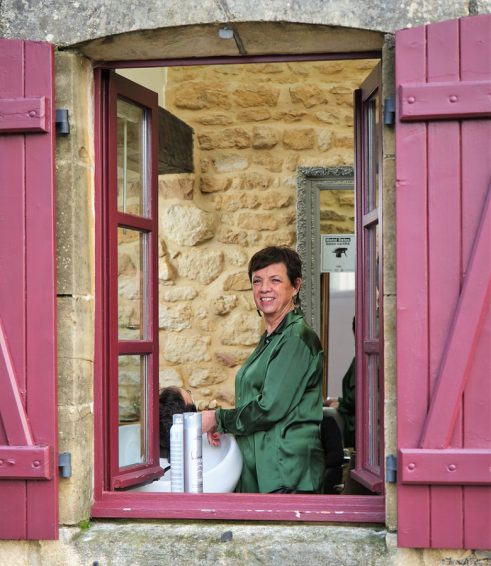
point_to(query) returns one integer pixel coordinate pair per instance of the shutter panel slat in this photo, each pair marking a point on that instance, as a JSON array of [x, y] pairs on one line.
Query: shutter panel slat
[[452, 466], [413, 523], [40, 266], [27, 296], [444, 268], [23, 115], [29, 462], [476, 180], [426, 101], [448, 294], [12, 279]]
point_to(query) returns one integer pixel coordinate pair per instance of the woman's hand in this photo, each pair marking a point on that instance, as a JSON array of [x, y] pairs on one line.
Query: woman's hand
[[213, 438], [333, 403], [209, 425]]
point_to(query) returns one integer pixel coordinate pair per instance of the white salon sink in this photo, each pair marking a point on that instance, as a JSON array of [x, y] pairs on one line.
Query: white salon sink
[[222, 464]]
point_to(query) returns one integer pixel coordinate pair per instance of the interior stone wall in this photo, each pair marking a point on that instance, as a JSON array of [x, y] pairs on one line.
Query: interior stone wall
[[255, 126]]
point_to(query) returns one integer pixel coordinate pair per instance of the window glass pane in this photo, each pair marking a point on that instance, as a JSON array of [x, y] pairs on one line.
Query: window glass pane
[[337, 211], [372, 152], [372, 288], [374, 432], [132, 399], [132, 157], [132, 284]]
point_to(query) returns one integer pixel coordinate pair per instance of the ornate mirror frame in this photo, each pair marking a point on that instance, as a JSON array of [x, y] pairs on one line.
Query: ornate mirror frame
[[310, 181]]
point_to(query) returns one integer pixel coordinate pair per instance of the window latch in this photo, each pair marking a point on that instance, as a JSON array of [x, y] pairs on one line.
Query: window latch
[[65, 464], [62, 122], [391, 468]]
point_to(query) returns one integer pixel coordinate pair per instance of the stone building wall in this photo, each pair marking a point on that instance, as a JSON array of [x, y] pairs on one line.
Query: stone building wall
[[108, 542], [254, 126], [75, 244]]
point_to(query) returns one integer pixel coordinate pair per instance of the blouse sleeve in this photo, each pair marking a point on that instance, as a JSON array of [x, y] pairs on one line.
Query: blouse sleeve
[[287, 376]]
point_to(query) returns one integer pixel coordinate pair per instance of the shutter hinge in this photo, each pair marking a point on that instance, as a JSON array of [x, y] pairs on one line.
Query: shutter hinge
[[390, 111], [65, 464], [391, 468], [62, 122]]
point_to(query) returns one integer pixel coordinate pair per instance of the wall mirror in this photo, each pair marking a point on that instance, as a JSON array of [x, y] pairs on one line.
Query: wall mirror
[[326, 244]]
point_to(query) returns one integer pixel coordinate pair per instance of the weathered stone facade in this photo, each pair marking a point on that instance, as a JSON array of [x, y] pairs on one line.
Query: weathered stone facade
[[230, 191], [53, 20], [75, 285]]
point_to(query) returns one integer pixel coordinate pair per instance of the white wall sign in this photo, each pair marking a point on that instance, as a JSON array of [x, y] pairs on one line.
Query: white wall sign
[[338, 252]]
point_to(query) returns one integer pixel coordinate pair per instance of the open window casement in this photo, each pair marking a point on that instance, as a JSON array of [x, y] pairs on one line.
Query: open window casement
[[131, 236], [121, 110], [369, 292], [443, 155], [28, 410]]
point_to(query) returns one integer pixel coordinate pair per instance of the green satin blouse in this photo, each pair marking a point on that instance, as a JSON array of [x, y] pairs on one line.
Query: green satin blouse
[[278, 397]]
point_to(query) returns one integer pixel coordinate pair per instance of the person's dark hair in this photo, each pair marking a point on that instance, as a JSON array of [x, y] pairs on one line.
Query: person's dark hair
[[171, 402], [277, 254]]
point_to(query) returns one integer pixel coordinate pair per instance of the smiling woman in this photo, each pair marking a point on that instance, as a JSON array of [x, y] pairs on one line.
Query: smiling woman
[[275, 285], [278, 390]]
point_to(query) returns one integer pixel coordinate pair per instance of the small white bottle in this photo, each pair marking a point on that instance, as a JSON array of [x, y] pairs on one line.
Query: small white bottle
[[177, 454], [193, 453]]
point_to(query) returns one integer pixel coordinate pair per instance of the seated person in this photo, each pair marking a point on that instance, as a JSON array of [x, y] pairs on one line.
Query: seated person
[[172, 400], [346, 405]]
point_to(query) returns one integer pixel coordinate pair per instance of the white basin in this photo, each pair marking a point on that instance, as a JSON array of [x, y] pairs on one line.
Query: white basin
[[222, 466]]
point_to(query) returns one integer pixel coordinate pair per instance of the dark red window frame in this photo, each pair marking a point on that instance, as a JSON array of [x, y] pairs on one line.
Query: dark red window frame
[[118, 88], [369, 280], [125, 504], [146, 224]]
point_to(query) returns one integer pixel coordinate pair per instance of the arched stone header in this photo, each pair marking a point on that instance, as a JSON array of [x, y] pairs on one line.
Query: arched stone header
[[250, 39], [69, 23]]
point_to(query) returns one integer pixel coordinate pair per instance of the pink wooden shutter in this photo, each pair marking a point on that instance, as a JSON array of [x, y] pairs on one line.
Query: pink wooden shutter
[[443, 151], [28, 428]]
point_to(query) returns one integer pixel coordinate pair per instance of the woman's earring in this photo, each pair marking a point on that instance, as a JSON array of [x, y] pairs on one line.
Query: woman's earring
[[259, 313]]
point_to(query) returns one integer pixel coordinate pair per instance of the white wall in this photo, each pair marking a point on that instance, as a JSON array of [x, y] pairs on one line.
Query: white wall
[[341, 339], [153, 78]]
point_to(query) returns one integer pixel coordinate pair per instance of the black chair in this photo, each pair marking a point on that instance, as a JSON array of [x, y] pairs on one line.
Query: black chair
[[332, 443]]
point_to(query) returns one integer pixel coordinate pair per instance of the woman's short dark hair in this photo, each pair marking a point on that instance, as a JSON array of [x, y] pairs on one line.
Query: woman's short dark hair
[[277, 254]]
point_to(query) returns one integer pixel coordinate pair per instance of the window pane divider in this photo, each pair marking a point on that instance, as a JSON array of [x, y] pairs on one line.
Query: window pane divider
[[125, 220], [371, 346], [368, 479], [127, 479], [128, 347], [370, 218]]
